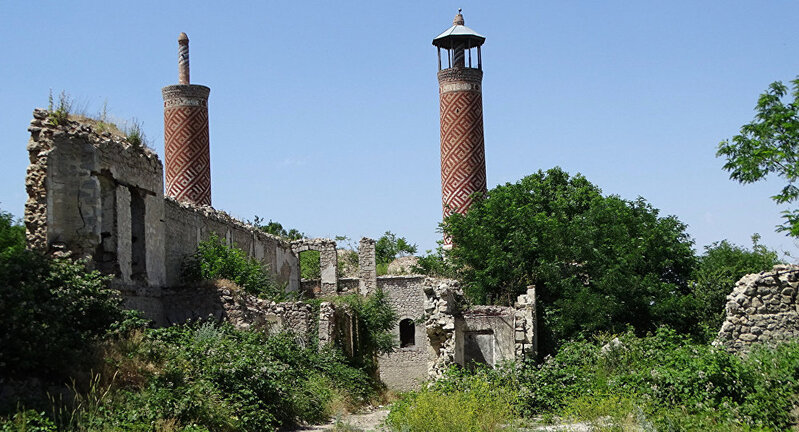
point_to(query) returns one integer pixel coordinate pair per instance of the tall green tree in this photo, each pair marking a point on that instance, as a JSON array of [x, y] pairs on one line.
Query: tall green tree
[[770, 145], [599, 263]]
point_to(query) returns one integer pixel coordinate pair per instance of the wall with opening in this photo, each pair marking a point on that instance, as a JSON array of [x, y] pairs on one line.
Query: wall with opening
[[405, 368]]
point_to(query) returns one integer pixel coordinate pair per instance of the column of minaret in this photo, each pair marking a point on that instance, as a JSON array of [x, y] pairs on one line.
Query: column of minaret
[[463, 171], [186, 142]]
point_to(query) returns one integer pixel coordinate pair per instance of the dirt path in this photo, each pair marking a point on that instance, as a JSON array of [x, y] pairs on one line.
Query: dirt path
[[362, 422]]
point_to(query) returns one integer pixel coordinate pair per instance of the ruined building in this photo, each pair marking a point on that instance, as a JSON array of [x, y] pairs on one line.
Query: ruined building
[[97, 196]]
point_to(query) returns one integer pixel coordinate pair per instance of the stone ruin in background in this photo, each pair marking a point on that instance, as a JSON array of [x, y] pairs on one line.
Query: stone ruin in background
[[762, 309]]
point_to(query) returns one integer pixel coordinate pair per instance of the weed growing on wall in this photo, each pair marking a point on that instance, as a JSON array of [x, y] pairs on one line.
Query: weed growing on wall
[[375, 319], [59, 110], [215, 260]]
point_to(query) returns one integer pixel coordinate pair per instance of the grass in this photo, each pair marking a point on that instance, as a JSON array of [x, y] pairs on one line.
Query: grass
[[63, 108], [659, 382]]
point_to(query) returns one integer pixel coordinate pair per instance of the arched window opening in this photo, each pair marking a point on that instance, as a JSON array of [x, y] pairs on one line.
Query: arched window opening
[[407, 333]]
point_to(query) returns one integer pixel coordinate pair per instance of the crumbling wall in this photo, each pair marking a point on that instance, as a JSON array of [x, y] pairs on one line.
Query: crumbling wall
[[485, 334], [762, 308], [479, 334], [97, 196], [407, 366], [188, 225], [328, 261], [223, 301], [367, 264]]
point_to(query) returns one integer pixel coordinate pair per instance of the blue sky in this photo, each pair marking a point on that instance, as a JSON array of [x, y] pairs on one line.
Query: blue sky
[[324, 115]]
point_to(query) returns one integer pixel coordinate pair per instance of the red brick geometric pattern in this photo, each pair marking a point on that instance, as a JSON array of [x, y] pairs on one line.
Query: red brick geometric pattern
[[463, 171], [187, 154]]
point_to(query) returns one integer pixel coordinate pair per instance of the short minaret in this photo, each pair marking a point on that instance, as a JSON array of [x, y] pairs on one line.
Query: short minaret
[[460, 77], [186, 144]]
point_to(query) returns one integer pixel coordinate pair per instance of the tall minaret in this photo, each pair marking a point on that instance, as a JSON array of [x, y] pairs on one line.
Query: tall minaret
[[460, 77], [187, 149]]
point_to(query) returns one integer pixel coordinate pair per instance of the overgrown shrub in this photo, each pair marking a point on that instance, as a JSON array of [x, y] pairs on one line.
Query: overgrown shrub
[[477, 405], [659, 382], [375, 319], [210, 377], [215, 260], [52, 309]]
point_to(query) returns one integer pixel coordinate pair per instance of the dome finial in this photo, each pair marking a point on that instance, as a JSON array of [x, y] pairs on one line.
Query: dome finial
[[458, 18]]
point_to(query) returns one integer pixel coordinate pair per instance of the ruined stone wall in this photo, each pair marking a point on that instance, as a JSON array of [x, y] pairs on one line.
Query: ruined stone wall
[[328, 261], [405, 368], [97, 196], [480, 334], [187, 226], [485, 334], [224, 301], [762, 308]]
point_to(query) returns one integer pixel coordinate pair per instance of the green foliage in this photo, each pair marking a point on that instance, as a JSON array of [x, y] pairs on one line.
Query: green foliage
[[12, 234], [483, 407], [389, 246], [309, 265], [134, 133], [275, 228], [769, 145], [52, 309], [59, 113], [434, 264], [599, 263], [28, 421], [208, 377], [717, 271], [375, 319], [659, 382], [215, 260]]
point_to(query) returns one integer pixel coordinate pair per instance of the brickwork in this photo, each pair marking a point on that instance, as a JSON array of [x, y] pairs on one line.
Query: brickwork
[[463, 170], [186, 143]]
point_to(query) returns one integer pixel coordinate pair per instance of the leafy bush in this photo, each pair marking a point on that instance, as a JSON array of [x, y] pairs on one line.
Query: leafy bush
[[480, 406], [659, 382], [215, 260], [12, 234], [717, 271], [211, 377], [52, 310], [375, 319], [28, 421]]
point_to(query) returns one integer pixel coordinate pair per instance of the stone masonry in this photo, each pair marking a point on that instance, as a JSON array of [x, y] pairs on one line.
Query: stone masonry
[[368, 266], [763, 309]]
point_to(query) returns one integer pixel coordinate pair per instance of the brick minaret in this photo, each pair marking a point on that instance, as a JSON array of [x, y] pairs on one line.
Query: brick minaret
[[187, 150], [463, 170]]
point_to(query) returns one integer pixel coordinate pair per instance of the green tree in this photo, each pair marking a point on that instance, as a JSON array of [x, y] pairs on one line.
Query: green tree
[[770, 145], [275, 228], [599, 263], [12, 234], [723, 264], [389, 246]]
